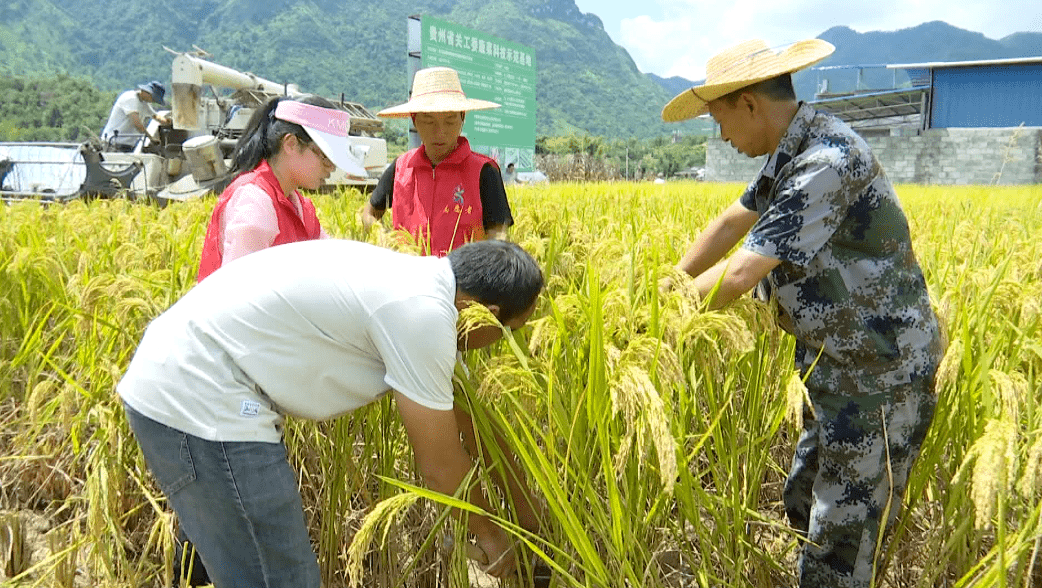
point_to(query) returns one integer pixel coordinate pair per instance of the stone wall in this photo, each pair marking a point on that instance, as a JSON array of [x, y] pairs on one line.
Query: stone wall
[[934, 156]]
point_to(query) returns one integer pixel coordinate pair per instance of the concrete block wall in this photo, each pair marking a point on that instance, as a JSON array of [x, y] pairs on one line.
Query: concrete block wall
[[1006, 156], [725, 164]]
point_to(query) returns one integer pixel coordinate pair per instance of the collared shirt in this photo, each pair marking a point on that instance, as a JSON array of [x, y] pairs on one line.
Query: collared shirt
[[849, 286]]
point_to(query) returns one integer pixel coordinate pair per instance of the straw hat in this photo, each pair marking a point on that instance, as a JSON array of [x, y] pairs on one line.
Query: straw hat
[[743, 65], [436, 89]]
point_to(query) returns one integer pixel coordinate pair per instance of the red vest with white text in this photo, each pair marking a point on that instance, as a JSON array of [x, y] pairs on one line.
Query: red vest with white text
[[291, 227], [440, 206]]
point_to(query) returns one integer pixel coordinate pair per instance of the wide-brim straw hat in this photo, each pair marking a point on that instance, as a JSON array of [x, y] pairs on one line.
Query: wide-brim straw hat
[[743, 65], [436, 89]]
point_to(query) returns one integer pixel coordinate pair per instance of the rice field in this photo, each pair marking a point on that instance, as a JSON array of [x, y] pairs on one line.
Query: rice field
[[658, 434]]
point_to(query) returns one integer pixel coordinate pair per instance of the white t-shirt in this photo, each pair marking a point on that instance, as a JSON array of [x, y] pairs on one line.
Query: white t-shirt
[[313, 329], [119, 118]]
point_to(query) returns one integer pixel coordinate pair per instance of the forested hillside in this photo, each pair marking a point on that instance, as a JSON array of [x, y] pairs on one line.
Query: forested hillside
[[59, 108], [587, 84]]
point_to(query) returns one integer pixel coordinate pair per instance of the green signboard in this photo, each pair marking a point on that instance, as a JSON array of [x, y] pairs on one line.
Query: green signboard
[[492, 69]]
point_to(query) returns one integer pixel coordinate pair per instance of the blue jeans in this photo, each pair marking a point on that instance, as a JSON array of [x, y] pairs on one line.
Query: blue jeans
[[238, 503]]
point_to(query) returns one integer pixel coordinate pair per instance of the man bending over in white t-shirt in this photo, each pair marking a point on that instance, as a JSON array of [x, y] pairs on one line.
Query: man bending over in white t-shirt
[[313, 330]]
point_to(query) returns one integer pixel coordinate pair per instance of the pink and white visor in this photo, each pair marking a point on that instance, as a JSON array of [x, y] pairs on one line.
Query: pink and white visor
[[328, 128]]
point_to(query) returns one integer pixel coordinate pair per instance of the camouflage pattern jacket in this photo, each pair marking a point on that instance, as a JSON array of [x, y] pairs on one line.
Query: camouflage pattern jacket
[[849, 287]]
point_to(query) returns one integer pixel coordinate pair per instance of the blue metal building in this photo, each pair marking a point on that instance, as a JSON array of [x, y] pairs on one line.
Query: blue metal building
[[983, 94], [999, 93], [954, 123]]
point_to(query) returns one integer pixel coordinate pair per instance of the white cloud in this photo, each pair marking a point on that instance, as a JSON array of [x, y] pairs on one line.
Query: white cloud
[[690, 31]]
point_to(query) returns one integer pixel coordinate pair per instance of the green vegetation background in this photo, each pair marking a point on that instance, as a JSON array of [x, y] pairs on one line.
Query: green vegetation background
[[67, 109]]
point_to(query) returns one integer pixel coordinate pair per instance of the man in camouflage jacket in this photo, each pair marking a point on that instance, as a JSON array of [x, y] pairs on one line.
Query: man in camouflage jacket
[[827, 240]]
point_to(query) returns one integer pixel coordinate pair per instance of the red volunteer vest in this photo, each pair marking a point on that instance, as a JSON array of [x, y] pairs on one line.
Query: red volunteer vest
[[440, 206], [291, 227]]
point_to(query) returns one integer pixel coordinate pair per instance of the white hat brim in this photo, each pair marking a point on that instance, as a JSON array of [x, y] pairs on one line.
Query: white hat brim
[[436, 103], [340, 151]]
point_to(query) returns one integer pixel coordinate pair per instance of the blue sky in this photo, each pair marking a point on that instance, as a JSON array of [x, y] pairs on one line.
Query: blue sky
[[676, 37]]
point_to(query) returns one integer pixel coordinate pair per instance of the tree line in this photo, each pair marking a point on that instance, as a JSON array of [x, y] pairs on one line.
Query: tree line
[[65, 108], [60, 108], [594, 158]]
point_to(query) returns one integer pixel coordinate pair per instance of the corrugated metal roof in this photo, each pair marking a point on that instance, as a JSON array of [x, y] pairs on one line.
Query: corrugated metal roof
[[947, 64], [877, 109]]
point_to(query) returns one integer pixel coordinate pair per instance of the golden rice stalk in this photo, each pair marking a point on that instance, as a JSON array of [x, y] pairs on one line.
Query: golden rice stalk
[[617, 317], [505, 373], [612, 357], [534, 245], [39, 397], [384, 513], [396, 240], [475, 316], [796, 397], [1031, 307], [572, 309], [1012, 389], [724, 331], [649, 351], [611, 249], [544, 334], [995, 466], [64, 548], [635, 396], [946, 307], [679, 291], [1031, 477], [948, 371], [14, 550]]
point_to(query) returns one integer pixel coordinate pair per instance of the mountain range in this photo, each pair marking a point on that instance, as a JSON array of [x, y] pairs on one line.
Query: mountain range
[[587, 83], [934, 41]]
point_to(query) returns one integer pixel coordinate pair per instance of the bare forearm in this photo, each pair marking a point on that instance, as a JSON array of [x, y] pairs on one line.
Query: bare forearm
[[515, 485], [448, 482], [707, 250], [445, 465], [719, 236], [496, 232], [715, 278], [370, 215], [736, 275]]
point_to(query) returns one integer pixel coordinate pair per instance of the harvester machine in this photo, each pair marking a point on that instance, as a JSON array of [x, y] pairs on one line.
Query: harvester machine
[[210, 109]]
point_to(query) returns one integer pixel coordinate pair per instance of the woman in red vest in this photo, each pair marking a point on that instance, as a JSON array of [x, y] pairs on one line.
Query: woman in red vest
[[288, 144], [442, 193]]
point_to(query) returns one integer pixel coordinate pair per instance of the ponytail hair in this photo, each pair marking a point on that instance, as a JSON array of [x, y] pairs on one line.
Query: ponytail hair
[[262, 138]]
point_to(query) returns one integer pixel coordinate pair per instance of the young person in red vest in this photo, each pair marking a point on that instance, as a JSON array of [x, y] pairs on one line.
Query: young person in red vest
[[442, 193], [446, 195], [288, 145]]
